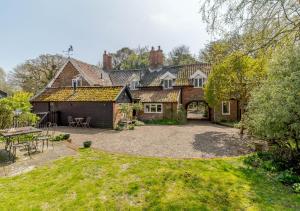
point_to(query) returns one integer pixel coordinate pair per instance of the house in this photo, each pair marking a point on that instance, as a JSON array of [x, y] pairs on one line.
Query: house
[[2, 94], [81, 89]]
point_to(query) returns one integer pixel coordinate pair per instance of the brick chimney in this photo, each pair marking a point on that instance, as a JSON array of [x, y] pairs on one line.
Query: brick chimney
[[107, 61], [156, 58]]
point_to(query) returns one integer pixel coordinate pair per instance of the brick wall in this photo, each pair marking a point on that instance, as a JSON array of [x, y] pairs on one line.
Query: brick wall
[[66, 76], [190, 94], [233, 116]]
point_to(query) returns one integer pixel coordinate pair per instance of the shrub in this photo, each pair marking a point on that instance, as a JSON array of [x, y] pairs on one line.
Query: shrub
[[66, 136], [181, 115], [296, 187], [131, 127], [61, 137], [87, 144], [253, 160], [288, 177], [139, 123]]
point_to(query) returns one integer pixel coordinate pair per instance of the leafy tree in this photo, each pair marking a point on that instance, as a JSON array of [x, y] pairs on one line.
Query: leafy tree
[[265, 22], [215, 51], [273, 110], [181, 55], [126, 58], [34, 74], [235, 77], [18, 101], [4, 86]]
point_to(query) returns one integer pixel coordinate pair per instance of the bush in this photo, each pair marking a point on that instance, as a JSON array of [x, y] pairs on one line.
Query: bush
[[181, 115], [131, 127], [66, 136], [87, 144], [296, 187], [139, 123], [162, 122], [61, 137], [288, 177], [253, 160]]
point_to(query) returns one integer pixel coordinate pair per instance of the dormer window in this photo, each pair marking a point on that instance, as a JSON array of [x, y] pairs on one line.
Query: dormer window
[[134, 85], [168, 80], [199, 82], [198, 79], [168, 83], [76, 82]]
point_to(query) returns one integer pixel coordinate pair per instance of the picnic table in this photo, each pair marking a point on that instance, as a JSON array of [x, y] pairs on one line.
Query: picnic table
[[13, 132]]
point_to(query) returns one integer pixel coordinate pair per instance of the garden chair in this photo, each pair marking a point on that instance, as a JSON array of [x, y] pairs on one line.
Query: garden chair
[[44, 136], [71, 122], [22, 145], [87, 122]]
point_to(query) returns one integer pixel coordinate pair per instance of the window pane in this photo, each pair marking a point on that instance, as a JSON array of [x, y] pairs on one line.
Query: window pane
[[170, 83], [225, 108], [147, 108], [165, 84], [153, 108], [196, 82], [200, 82], [158, 108]]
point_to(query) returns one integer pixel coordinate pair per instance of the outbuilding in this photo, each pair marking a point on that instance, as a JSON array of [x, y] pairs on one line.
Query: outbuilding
[[100, 103]]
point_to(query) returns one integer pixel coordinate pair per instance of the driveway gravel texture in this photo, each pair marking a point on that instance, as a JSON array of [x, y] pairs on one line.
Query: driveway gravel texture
[[193, 140]]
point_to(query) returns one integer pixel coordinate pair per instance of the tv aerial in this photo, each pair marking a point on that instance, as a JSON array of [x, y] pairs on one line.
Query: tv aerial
[[69, 52]]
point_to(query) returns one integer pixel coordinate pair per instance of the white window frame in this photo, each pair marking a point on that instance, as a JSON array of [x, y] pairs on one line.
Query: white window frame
[[169, 83], [228, 113], [77, 81], [153, 105], [134, 85], [198, 79]]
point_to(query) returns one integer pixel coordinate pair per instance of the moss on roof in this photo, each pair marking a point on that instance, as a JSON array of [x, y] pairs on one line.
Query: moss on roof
[[82, 94], [163, 96]]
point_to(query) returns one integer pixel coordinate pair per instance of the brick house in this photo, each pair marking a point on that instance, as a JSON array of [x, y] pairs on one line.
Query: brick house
[[161, 89]]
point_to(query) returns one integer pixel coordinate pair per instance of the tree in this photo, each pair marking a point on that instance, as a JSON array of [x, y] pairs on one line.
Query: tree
[[266, 23], [18, 101], [234, 78], [34, 74], [273, 111], [181, 55], [126, 58], [215, 51]]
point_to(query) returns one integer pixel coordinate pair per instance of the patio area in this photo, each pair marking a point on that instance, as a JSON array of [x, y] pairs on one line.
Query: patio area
[[194, 140]]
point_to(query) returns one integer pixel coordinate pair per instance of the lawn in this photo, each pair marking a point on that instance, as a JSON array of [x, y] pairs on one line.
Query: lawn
[[98, 180]]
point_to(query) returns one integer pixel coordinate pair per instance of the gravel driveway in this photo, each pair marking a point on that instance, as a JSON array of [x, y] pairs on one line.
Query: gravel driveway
[[194, 140]]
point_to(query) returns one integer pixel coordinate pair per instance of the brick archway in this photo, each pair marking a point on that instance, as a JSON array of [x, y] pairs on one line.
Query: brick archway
[[198, 109]]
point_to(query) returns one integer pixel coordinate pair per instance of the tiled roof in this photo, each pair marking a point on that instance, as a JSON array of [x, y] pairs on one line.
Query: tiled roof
[[88, 94], [92, 73], [157, 96], [152, 78]]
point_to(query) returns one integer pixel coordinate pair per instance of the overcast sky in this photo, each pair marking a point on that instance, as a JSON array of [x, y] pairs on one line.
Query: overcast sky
[[29, 28]]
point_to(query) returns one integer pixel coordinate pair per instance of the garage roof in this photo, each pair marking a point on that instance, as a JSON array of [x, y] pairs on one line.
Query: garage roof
[[157, 96], [81, 94]]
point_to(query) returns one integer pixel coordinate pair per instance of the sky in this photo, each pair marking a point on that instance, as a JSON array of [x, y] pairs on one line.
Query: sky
[[29, 28]]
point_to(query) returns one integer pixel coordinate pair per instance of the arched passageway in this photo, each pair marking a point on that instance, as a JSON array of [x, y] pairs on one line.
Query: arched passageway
[[198, 110]]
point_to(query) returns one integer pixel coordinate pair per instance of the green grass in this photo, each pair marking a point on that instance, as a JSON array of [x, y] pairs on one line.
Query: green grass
[[98, 181], [162, 122]]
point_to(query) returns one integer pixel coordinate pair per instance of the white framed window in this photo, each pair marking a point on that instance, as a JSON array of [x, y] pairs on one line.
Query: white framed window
[[168, 83], [153, 108], [225, 108], [134, 85], [198, 82], [76, 82]]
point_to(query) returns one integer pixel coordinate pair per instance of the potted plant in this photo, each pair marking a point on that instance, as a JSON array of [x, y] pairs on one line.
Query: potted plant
[[87, 144]]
